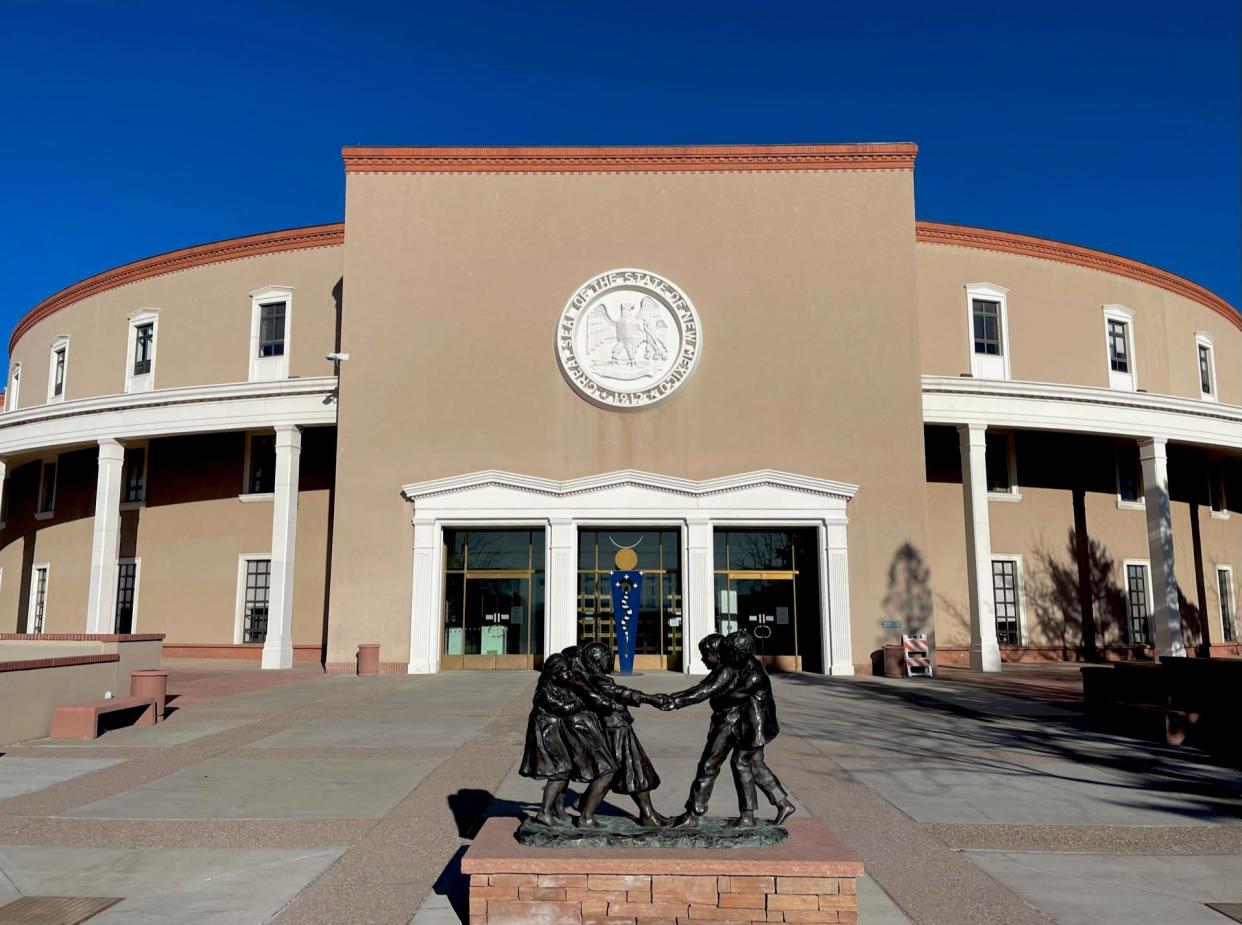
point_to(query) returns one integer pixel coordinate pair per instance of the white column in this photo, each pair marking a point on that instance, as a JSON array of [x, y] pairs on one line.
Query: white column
[[278, 646], [834, 583], [4, 471], [984, 651], [425, 600], [561, 583], [1166, 611], [698, 608], [105, 537]]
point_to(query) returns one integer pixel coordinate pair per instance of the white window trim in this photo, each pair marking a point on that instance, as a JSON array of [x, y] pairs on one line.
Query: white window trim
[[145, 446], [136, 561], [1217, 468], [12, 394], [59, 342], [1127, 381], [249, 496], [1233, 600], [239, 621], [1204, 339], [1123, 505], [1023, 639], [1125, 591], [145, 382], [1011, 461], [50, 512], [263, 369], [34, 593], [989, 292]]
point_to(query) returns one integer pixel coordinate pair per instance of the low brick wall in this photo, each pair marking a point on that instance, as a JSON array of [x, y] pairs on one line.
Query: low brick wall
[[811, 878]]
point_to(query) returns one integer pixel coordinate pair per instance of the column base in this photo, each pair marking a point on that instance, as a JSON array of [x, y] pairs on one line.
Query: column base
[[420, 666], [841, 671], [277, 656], [985, 659]]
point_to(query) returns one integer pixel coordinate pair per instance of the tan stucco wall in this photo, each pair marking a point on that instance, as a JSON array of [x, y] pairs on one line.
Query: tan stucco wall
[[803, 284], [188, 537], [39, 692], [1056, 323], [204, 326]]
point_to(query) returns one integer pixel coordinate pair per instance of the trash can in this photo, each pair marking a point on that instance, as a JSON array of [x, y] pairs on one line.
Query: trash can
[[894, 661], [150, 683], [368, 659]]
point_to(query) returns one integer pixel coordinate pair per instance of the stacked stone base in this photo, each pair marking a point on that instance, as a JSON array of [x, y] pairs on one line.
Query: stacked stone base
[[808, 879]]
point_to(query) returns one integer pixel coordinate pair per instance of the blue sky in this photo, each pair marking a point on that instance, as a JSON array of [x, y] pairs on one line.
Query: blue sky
[[132, 128]]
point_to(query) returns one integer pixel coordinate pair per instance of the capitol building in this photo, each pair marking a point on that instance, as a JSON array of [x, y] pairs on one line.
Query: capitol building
[[808, 413]]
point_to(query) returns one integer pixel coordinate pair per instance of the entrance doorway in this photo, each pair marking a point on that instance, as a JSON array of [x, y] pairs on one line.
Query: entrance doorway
[[659, 643], [493, 599]]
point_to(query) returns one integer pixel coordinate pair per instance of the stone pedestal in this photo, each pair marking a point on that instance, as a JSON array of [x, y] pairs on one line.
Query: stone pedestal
[[809, 878], [153, 684]]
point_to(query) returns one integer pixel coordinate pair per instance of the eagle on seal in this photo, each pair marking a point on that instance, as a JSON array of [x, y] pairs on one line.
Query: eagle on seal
[[640, 331]]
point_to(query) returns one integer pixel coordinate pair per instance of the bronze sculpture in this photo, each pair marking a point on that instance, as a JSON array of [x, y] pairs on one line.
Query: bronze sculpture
[[580, 729]]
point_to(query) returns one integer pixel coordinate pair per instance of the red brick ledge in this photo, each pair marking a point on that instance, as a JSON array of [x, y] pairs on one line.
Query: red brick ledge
[[960, 655], [252, 245], [352, 668], [642, 159], [83, 637], [246, 650], [28, 664], [1028, 246]]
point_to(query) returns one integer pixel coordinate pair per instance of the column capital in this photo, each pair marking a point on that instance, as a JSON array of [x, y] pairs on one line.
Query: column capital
[[109, 447], [972, 434], [1153, 447], [288, 435]]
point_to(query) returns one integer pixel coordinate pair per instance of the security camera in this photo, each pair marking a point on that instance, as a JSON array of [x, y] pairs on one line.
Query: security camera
[[337, 357]]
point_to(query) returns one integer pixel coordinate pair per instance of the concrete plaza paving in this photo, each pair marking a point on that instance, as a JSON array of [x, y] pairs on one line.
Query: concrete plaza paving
[[298, 798]]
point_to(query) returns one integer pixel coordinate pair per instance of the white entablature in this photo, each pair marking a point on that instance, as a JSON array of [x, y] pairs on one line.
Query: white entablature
[[764, 498]]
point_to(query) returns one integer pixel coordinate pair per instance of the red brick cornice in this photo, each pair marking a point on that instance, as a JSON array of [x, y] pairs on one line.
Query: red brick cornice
[[30, 664], [1028, 246], [81, 637], [252, 245], [665, 159]]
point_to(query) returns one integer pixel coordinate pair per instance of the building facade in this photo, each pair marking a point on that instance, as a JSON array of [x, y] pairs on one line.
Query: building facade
[[807, 413]]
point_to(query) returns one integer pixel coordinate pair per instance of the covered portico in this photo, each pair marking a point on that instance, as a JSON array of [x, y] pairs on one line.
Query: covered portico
[[695, 509]]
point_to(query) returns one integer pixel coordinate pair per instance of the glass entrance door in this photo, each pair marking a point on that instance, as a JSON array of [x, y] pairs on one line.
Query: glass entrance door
[[765, 606], [496, 615]]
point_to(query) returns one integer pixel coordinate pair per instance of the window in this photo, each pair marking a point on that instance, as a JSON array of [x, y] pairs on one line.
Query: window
[[144, 340], [1006, 592], [58, 363], [1129, 476], [1001, 463], [1216, 489], [1119, 338], [257, 590], [1224, 583], [38, 598], [1137, 598], [988, 327], [126, 595], [261, 464], [1207, 366], [140, 354], [135, 490], [47, 489], [15, 382], [271, 316]]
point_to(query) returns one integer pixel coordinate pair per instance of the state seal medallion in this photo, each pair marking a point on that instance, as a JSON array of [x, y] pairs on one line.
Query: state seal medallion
[[628, 339]]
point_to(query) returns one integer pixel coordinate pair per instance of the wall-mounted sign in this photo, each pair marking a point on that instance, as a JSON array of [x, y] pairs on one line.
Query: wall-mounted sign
[[628, 339]]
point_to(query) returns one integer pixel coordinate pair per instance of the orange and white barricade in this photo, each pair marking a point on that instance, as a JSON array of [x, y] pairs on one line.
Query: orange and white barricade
[[918, 655]]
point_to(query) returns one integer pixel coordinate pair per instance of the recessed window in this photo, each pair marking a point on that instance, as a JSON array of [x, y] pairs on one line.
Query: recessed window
[[1224, 584], [1217, 501], [1001, 464], [1129, 475], [1006, 594], [38, 598], [135, 475], [12, 393], [1138, 599], [126, 595], [47, 488], [1207, 366], [989, 330], [144, 342], [261, 464], [257, 593], [271, 317], [1119, 344], [58, 368], [140, 353]]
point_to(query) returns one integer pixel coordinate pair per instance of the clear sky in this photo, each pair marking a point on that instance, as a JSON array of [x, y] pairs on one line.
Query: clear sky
[[131, 128]]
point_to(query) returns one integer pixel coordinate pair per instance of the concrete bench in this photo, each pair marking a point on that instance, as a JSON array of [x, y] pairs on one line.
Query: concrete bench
[[81, 720]]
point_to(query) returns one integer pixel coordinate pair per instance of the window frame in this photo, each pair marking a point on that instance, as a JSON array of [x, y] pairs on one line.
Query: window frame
[[143, 382], [1203, 341], [239, 622], [264, 369], [1233, 604], [131, 445], [1125, 590], [59, 343], [35, 568], [1216, 490], [12, 394], [1020, 594], [986, 366], [1127, 381], [41, 512], [1125, 504], [246, 494], [1011, 463], [136, 562]]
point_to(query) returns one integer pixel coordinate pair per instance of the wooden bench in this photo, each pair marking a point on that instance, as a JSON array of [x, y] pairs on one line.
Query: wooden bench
[[81, 720]]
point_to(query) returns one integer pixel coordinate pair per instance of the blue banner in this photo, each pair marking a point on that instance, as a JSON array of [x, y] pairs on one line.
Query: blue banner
[[627, 593]]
